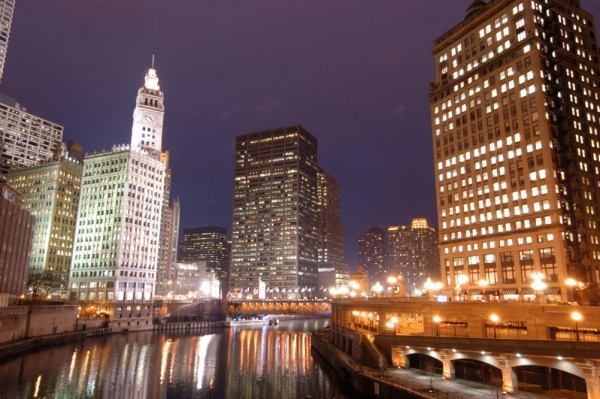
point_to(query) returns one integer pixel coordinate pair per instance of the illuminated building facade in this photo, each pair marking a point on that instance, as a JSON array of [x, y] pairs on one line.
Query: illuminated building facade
[[371, 253], [50, 192], [7, 9], [169, 232], [331, 258], [275, 215], [516, 113], [117, 237], [412, 252], [25, 139], [209, 244], [16, 233]]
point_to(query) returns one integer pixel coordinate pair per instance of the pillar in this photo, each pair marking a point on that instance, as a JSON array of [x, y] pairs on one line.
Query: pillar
[[381, 327], [399, 357], [510, 383], [591, 374], [448, 366]]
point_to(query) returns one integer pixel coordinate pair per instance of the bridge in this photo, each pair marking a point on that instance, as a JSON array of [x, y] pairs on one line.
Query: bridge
[[279, 307]]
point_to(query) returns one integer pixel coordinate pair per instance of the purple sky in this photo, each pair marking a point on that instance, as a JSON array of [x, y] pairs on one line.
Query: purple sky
[[355, 73]]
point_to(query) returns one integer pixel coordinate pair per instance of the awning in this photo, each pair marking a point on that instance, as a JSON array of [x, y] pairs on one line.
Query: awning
[[509, 291], [475, 292], [552, 291], [527, 291]]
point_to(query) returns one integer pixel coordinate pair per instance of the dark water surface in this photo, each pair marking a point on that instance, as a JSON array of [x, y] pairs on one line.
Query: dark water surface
[[249, 362]]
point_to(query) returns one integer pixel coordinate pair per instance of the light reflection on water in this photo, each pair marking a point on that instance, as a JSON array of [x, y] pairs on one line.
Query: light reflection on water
[[262, 362]]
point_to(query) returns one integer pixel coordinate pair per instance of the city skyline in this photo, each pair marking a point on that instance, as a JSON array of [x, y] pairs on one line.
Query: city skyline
[[382, 127]]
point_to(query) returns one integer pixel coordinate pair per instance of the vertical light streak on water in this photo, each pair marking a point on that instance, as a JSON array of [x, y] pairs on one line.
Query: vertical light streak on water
[[164, 360], [202, 350]]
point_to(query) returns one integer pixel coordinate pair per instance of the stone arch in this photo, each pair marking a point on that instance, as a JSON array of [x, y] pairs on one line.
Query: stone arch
[[562, 365], [536, 378], [475, 369], [425, 362]]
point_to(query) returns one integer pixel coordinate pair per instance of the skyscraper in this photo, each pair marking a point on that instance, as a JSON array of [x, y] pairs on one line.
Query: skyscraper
[[209, 244], [118, 225], [330, 244], [25, 139], [169, 232], [515, 115], [275, 216], [7, 9], [371, 253], [50, 191], [412, 252], [16, 232]]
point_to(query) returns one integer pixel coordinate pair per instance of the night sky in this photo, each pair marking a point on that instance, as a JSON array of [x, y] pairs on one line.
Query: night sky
[[354, 73]]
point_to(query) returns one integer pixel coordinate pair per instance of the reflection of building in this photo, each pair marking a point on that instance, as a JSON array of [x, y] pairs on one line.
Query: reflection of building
[[118, 225], [515, 122], [412, 252], [16, 232], [209, 244], [50, 192], [371, 252], [275, 216], [332, 266]]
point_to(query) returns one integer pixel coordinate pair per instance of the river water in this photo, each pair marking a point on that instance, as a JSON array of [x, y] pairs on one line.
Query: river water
[[249, 362]]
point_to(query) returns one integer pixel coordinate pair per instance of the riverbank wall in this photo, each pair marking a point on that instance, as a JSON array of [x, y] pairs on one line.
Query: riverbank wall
[[368, 382]]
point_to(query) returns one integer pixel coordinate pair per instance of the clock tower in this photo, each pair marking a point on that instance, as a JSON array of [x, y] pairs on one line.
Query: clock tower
[[147, 130]]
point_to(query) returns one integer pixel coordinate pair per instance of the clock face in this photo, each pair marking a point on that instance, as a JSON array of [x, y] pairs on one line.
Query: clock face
[[149, 118]]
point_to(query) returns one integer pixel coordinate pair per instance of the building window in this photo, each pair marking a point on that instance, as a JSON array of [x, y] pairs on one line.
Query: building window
[[507, 330], [548, 261]]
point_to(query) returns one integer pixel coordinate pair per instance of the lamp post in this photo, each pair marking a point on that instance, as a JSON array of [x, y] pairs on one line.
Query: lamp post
[[494, 318], [571, 283], [576, 317], [437, 320], [538, 285]]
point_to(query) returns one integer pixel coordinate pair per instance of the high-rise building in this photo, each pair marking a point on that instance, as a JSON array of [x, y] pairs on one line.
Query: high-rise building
[[7, 9], [275, 216], [16, 232], [516, 115], [25, 139], [50, 192], [330, 243], [117, 237], [412, 252], [208, 244], [169, 233], [371, 253]]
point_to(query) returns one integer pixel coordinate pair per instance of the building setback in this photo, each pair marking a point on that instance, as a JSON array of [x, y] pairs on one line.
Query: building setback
[[515, 114], [275, 216], [50, 192], [371, 253], [16, 232], [118, 225], [412, 252]]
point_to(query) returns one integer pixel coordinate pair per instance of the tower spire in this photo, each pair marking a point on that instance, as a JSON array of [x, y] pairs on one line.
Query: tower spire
[[153, 58]]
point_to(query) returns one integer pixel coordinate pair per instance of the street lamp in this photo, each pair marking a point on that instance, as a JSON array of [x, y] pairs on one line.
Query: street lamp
[[437, 320], [576, 317], [571, 283], [494, 318], [461, 280], [377, 288]]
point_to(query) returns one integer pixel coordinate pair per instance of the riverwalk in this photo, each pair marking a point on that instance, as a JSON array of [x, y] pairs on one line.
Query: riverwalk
[[392, 382]]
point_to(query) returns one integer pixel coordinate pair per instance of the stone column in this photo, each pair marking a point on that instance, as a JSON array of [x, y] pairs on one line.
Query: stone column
[[510, 383], [399, 357], [446, 358], [591, 374], [381, 327]]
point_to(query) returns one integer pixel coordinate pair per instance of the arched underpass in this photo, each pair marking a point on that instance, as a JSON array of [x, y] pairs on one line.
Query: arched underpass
[[477, 371], [426, 363], [541, 379]]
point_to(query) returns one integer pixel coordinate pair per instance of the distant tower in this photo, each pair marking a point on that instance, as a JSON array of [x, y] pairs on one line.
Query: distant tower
[[371, 252], [148, 115]]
